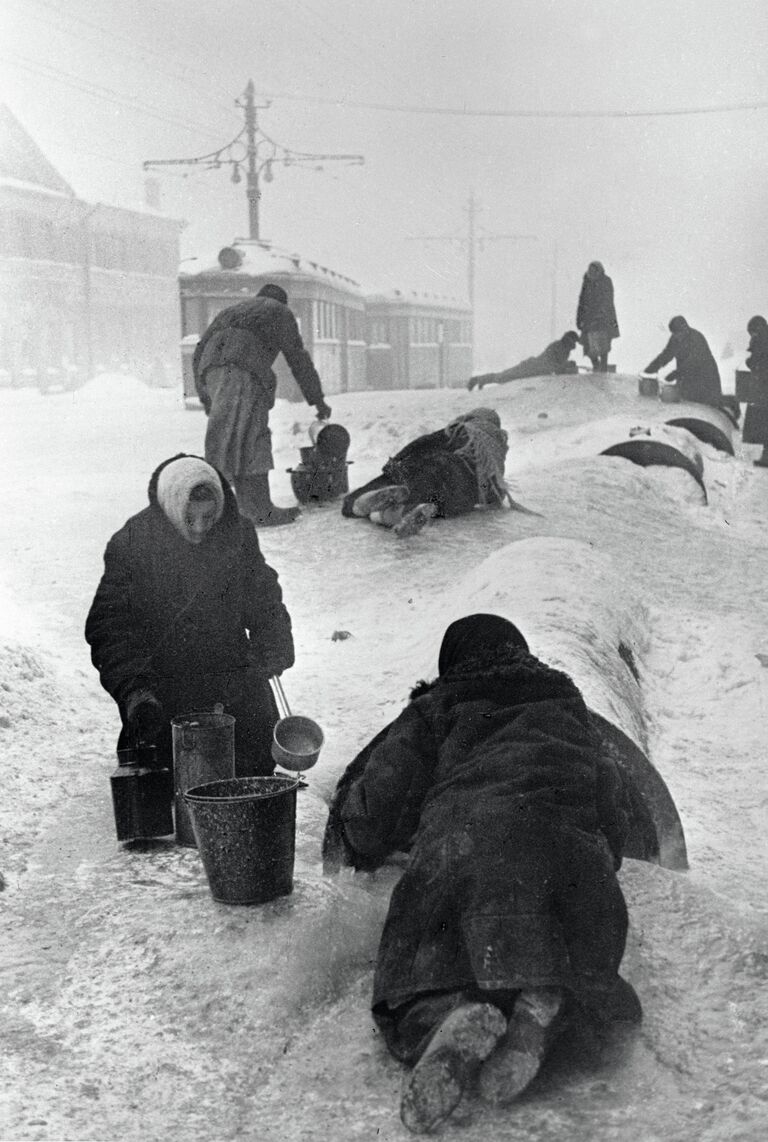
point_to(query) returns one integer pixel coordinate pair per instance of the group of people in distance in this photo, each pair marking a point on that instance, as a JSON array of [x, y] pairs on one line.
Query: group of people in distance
[[696, 372]]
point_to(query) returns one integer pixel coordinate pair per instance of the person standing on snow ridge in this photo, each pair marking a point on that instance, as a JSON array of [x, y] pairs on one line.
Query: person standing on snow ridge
[[553, 361], [188, 615], [508, 920], [232, 367], [696, 371], [756, 416], [596, 316]]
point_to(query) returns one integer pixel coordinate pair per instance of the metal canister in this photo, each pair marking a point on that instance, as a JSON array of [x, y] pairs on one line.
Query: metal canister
[[203, 750]]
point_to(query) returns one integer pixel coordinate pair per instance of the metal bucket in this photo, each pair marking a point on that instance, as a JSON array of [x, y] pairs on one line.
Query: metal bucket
[[246, 835], [203, 750], [648, 386], [331, 440], [670, 394]]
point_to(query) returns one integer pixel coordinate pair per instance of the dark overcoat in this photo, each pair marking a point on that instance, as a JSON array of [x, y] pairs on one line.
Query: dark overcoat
[[433, 473], [194, 625], [755, 429], [596, 310], [244, 340], [696, 371], [492, 777]]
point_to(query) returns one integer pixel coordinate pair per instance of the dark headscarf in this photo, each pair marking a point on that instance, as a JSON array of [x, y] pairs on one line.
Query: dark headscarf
[[276, 292], [476, 634], [755, 324], [678, 325]]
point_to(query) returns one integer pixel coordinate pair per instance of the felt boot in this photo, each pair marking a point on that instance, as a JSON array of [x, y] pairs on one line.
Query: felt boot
[[255, 502], [535, 1022], [415, 520], [433, 1089], [379, 499]]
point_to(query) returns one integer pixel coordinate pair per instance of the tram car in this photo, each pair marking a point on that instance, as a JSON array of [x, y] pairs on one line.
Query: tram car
[[382, 341]]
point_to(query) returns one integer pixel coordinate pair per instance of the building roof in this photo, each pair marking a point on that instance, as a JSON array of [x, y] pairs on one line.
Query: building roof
[[250, 257], [22, 161]]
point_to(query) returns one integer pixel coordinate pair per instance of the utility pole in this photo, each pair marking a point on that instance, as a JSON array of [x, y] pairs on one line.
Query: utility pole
[[473, 242], [255, 151]]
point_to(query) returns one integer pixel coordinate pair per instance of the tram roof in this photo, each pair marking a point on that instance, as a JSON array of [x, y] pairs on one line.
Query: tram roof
[[253, 258], [416, 298]]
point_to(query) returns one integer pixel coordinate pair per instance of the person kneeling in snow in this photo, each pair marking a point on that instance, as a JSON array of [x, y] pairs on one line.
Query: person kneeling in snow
[[189, 615], [508, 922], [440, 475], [554, 361]]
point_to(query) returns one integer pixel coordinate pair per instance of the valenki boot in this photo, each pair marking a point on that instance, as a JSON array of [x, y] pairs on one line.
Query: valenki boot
[[255, 502]]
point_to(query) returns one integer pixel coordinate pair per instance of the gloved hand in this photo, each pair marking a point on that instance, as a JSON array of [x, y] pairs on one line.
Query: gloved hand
[[145, 716], [323, 410]]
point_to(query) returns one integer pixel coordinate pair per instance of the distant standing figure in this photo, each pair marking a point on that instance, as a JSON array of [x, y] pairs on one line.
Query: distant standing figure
[[508, 920], [234, 379], [696, 371], [756, 416], [596, 316], [554, 360]]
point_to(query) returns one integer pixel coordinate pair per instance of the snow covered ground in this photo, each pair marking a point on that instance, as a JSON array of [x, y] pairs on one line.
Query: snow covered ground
[[135, 1007]]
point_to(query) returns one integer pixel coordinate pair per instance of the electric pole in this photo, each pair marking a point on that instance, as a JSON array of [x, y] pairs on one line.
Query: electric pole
[[256, 153], [473, 242]]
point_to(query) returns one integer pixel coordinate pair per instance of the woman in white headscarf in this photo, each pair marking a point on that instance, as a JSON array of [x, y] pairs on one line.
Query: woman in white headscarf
[[188, 615]]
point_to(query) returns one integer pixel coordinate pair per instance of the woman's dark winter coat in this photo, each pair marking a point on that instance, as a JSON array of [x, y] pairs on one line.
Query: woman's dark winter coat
[[193, 625], [433, 473], [596, 310], [493, 778], [756, 417], [696, 371]]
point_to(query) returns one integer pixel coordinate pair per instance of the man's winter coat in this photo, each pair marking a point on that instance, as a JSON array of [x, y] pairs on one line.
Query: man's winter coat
[[492, 777], [696, 372], [193, 625], [247, 338], [596, 311], [755, 429]]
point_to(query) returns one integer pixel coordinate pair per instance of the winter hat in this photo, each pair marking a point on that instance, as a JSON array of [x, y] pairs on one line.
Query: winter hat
[[175, 483], [476, 634], [756, 323], [678, 325], [570, 338], [598, 268], [276, 292]]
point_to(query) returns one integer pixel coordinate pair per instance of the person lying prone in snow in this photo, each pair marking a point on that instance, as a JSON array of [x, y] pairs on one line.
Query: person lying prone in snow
[[442, 474], [508, 923]]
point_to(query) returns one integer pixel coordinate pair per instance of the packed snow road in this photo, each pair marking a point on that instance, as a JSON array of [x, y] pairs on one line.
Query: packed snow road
[[136, 1006]]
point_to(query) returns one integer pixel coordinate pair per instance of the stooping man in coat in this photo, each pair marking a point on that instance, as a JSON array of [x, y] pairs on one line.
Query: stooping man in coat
[[188, 615], [508, 919], [696, 371], [596, 316], [553, 361], [234, 379]]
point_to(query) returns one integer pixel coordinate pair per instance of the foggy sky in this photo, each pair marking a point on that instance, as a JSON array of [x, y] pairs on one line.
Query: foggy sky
[[674, 206]]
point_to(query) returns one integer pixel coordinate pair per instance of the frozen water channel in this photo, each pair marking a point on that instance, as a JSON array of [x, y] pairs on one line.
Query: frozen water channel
[[135, 1007]]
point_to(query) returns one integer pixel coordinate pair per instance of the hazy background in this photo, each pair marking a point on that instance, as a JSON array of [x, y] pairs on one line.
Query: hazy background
[[675, 206]]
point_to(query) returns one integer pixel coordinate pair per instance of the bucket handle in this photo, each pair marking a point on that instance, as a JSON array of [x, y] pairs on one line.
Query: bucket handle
[[282, 702]]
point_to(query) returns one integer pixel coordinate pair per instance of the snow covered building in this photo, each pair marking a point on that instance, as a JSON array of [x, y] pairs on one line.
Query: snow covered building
[[83, 287]]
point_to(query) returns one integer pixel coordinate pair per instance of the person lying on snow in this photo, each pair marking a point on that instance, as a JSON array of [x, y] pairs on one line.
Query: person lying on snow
[[443, 474], [553, 361], [508, 922], [189, 615]]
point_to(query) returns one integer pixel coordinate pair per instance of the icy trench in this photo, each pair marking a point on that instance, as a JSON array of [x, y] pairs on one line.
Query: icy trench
[[136, 1003]]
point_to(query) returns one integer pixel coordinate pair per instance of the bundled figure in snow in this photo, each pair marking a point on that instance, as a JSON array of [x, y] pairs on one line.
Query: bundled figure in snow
[[439, 475], [596, 316], [188, 615], [508, 921], [696, 371], [553, 361], [234, 379], [756, 416]]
